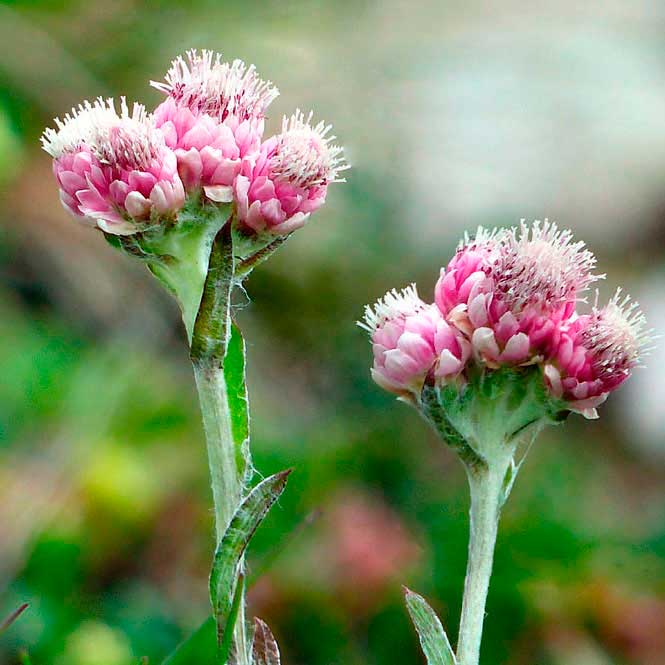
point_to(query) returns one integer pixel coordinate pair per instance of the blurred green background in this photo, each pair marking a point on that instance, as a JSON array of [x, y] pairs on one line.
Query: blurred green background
[[454, 114]]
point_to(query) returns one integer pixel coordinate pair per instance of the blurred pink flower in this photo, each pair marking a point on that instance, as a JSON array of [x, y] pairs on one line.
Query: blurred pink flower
[[290, 177], [410, 339], [114, 168], [370, 544], [596, 353]]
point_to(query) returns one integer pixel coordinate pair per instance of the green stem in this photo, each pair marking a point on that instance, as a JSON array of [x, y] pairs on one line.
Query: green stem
[[219, 438], [486, 486], [209, 343]]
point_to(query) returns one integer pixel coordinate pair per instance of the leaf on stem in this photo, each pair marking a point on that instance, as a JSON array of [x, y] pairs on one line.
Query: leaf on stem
[[210, 337], [234, 542], [264, 648], [225, 636], [247, 264], [200, 647], [236, 390], [433, 638], [24, 657]]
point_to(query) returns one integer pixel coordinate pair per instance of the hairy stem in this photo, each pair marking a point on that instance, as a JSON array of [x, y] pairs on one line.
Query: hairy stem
[[486, 495], [208, 348], [221, 453]]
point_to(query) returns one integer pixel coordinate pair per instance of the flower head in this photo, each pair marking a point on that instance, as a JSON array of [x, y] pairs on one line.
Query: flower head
[[209, 153], [541, 269], [508, 302], [207, 85], [290, 177], [509, 290], [213, 119], [114, 168], [411, 340], [597, 353], [78, 127], [467, 274]]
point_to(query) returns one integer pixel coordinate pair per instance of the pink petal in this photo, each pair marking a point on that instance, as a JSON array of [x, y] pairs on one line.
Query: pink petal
[[219, 193], [190, 167], [137, 205], [448, 364], [478, 311], [294, 222], [254, 219], [506, 327], [71, 182], [417, 348], [384, 381], [272, 212], [517, 349], [400, 366], [484, 343]]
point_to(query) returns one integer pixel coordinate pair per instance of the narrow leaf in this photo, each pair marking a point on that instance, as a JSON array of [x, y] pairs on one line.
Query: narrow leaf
[[246, 265], [200, 647], [24, 658], [225, 635], [234, 542], [12, 617], [433, 638], [210, 337], [264, 649], [236, 388]]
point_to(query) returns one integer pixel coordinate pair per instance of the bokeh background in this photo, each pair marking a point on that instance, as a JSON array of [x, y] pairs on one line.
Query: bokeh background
[[454, 114]]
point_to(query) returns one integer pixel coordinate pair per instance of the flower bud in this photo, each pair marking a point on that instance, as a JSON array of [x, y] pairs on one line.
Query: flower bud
[[290, 177], [114, 168], [213, 119], [411, 340], [596, 353]]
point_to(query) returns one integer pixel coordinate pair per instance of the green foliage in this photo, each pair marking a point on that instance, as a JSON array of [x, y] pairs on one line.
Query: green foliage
[[200, 647], [223, 577], [433, 638], [4, 625], [495, 408], [178, 254], [234, 376], [24, 657], [225, 636]]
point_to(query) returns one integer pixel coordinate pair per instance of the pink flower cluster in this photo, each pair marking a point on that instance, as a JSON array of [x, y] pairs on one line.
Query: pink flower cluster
[[126, 170], [509, 298], [411, 339], [114, 168]]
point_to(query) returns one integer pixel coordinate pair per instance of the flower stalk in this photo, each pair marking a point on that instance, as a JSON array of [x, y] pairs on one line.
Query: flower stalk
[[213, 398], [486, 485]]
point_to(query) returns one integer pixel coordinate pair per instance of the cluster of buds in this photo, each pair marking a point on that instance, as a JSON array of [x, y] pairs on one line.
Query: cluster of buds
[[127, 171], [509, 299]]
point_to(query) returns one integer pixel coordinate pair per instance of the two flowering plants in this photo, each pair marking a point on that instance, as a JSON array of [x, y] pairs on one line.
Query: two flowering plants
[[194, 190]]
